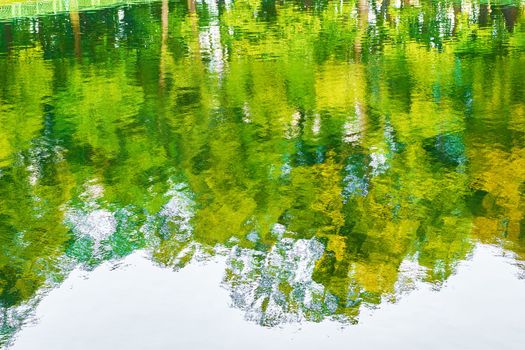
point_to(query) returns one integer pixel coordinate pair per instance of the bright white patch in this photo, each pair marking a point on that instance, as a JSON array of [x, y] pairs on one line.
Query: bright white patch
[[210, 43], [246, 113], [98, 224], [352, 132], [410, 274], [255, 279], [316, 127], [179, 208], [293, 130], [378, 163], [278, 230]]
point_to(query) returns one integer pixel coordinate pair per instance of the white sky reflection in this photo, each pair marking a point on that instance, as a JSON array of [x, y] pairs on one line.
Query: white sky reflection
[[141, 306]]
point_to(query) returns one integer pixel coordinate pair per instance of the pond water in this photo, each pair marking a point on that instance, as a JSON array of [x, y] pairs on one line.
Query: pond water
[[233, 174]]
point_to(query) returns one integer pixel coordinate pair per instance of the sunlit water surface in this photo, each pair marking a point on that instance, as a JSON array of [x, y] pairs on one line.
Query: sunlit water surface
[[262, 174]]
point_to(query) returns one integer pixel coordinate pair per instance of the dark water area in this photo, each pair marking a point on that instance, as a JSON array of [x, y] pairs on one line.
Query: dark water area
[[319, 147]]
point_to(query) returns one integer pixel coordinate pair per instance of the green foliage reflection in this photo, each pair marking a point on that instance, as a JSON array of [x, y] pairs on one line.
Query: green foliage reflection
[[321, 146]]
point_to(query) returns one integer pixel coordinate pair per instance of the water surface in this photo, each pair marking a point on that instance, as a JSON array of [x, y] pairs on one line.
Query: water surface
[[336, 155]]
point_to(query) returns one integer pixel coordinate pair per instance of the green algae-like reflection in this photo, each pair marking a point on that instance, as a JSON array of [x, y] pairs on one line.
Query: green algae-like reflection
[[322, 146]]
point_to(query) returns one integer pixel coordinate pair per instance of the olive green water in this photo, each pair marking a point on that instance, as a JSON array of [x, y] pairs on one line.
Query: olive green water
[[319, 145]]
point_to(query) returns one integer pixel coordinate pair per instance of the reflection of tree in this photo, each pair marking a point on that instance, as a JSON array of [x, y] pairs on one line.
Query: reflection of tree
[[75, 25], [323, 151]]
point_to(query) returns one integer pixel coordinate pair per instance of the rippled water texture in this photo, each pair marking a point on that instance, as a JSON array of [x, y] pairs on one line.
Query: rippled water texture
[[332, 155]]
